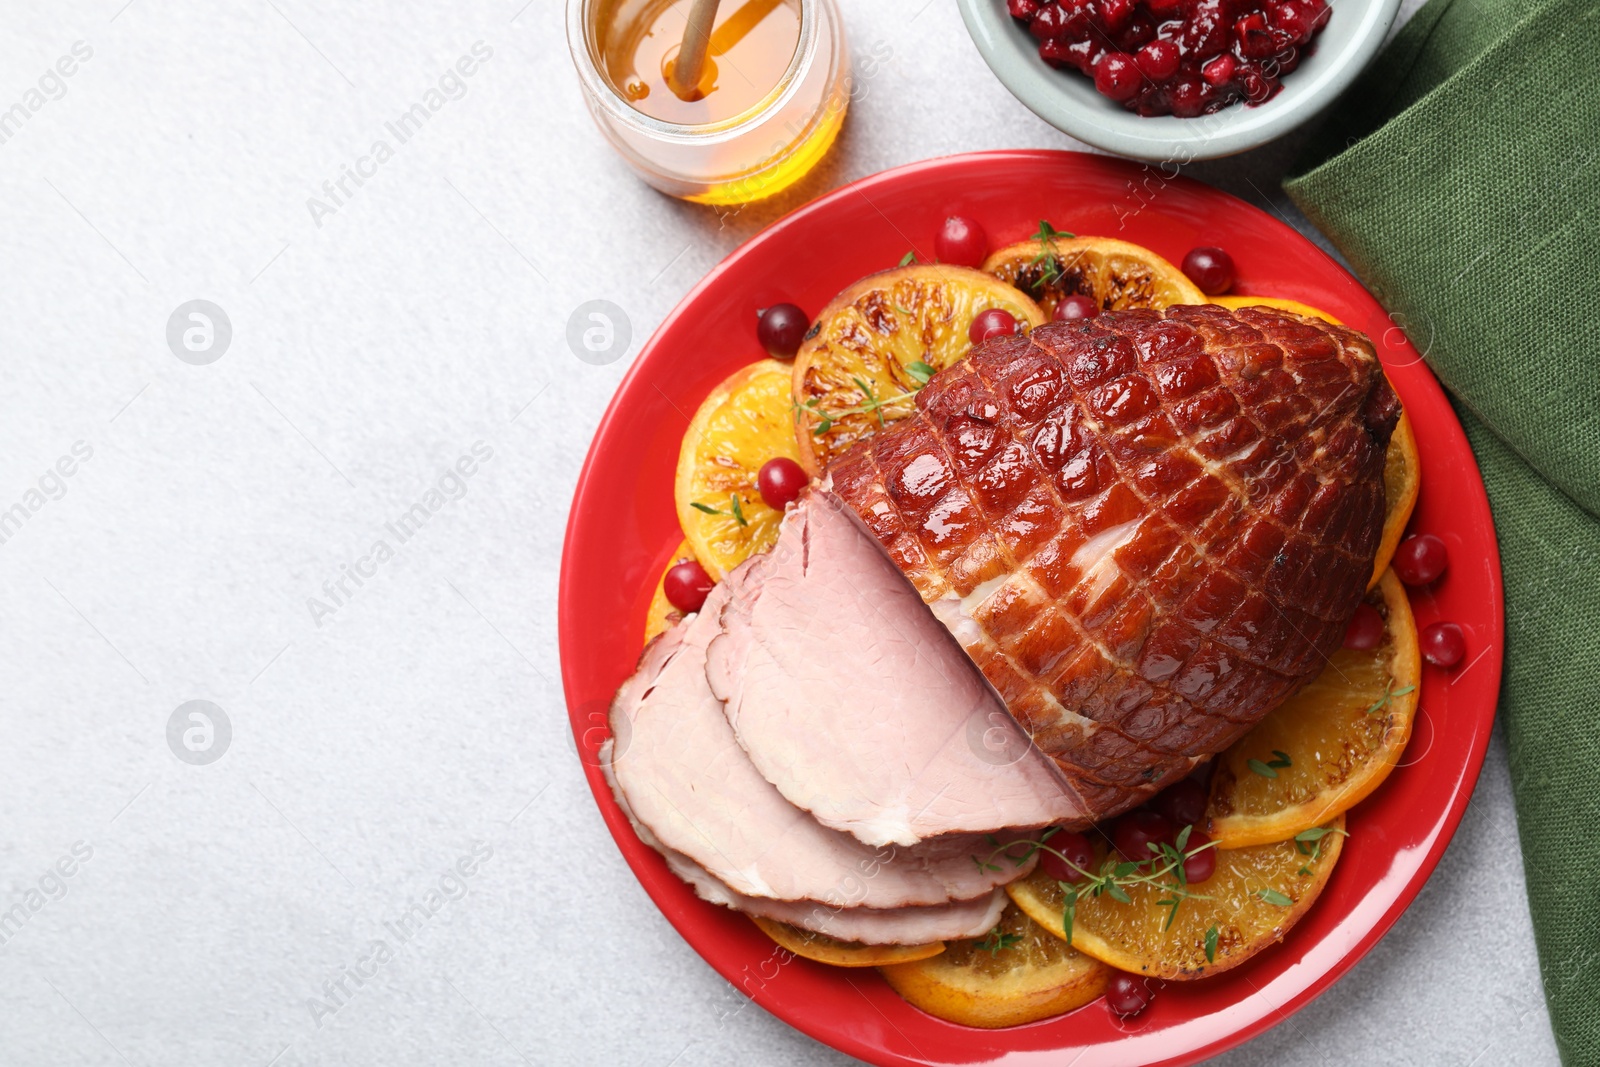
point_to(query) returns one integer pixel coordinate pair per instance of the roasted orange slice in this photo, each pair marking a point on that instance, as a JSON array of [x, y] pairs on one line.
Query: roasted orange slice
[[1296, 307], [661, 615], [746, 421], [1402, 468], [1117, 275], [824, 949], [1248, 903], [1320, 753], [1402, 479], [1018, 974], [878, 342]]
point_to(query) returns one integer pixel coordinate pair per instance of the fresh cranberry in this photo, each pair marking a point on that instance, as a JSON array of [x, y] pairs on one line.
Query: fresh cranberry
[[686, 586], [1022, 9], [1182, 803], [1365, 631], [1116, 76], [1078, 854], [1420, 560], [1210, 268], [780, 481], [993, 322], [1219, 71], [1076, 306], [961, 241], [1128, 994], [781, 328], [1158, 60], [1136, 831], [1443, 644], [1198, 865]]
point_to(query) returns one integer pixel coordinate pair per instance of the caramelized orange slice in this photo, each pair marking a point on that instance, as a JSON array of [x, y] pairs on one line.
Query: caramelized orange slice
[[1330, 745], [1114, 274], [878, 342], [1250, 902], [824, 949], [746, 421], [1018, 974]]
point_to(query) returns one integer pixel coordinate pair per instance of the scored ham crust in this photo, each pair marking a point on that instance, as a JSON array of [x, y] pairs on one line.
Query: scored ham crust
[[1148, 529]]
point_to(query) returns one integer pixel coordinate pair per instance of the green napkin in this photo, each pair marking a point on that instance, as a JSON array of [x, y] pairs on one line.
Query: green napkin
[[1460, 177]]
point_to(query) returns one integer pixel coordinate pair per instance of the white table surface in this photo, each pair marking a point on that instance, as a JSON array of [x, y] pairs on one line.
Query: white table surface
[[372, 746]]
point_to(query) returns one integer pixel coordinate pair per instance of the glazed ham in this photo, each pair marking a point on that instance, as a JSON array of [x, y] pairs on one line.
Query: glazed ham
[[1148, 529], [681, 776], [851, 698]]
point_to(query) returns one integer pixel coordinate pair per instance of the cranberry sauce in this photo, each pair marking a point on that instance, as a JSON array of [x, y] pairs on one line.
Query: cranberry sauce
[[1177, 57]]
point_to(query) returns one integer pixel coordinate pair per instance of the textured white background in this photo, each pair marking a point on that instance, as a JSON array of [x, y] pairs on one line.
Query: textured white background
[[368, 753]]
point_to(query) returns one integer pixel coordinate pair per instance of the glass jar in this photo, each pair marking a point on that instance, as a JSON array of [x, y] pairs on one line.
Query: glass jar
[[734, 160]]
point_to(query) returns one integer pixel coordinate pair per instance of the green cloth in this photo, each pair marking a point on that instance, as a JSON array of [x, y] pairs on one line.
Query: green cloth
[[1460, 178]]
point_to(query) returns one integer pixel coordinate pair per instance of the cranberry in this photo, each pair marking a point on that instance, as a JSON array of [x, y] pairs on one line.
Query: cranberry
[[1443, 644], [1210, 268], [994, 322], [1158, 60], [1365, 631], [1022, 9], [1051, 21], [780, 481], [1078, 852], [1205, 32], [1182, 803], [1165, 7], [686, 586], [1202, 864], [1136, 34], [1116, 76], [961, 241], [1085, 54], [1076, 306], [1136, 831], [1420, 560], [1258, 88], [1187, 95], [1128, 994], [1058, 54], [1219, 71], [1115, 14], [781, 328]]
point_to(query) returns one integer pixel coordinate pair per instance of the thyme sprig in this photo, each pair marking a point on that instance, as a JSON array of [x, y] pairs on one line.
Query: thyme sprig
[[998, 941], [1389, 693], [1046, 256], [1270, 768], [873, 404], [735, 509]]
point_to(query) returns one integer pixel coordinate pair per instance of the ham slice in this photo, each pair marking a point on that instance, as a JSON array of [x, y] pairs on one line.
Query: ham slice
[[679, 771], [854, 701]]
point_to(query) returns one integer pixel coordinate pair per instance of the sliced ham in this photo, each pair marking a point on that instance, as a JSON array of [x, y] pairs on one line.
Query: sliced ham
[[854, 701], [873, 926], [683, 776]]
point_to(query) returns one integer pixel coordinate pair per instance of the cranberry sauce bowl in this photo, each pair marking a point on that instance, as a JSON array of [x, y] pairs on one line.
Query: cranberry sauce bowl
[[1177, 80]]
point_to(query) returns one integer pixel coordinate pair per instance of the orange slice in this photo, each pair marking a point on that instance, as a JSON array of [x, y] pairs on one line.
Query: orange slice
[[1250, 902], [876, 344], [1402, 479], [824, 949], [1018, 974], [1402, 467], [1294, 306], [1330, 745], [661, 615], [746, 421], [1115, 274]]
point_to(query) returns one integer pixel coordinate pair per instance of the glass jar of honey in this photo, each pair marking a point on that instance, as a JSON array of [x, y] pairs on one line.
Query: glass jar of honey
[[769, 102]]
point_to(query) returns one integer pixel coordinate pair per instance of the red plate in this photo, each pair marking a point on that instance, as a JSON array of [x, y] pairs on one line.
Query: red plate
[[622, 530]]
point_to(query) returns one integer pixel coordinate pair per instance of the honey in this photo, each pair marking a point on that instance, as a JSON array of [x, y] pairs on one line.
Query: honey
[[752, 44], [769, 102]]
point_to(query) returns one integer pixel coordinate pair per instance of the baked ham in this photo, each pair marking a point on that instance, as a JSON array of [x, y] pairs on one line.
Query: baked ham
[[852, 699], [1147, 528], [683, 779]]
